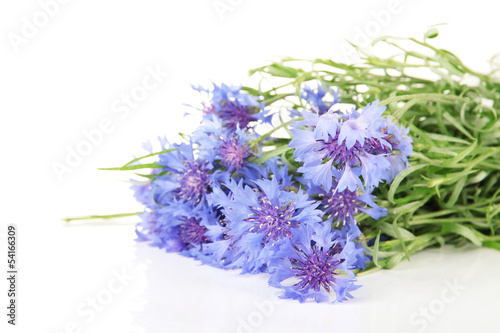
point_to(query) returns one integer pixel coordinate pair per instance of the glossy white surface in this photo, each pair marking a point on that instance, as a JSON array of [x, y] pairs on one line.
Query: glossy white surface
[[66, 79], [441, 290]]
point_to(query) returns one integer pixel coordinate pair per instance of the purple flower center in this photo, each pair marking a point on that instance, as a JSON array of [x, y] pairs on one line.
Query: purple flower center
[[237, 115], [274, 221], [317, 269], [191, 232], [194, 182], [342, 206], [342, 156], [233, 154]]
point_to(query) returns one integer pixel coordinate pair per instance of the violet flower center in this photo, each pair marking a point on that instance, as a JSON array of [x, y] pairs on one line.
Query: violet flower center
[[341, 205], [316, 270], [191, 232], [274, 221], [233, 154], [194, 182]]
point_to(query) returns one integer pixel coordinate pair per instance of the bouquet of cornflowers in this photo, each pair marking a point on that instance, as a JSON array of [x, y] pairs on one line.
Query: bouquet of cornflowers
[[361, 166]]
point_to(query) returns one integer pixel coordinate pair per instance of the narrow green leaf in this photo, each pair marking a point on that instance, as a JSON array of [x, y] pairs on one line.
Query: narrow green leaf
[[251, 91], [457, 125], [450, 178], [492, 245], [443, 151], [399, 178], [463, 154], [135, 167], [441, 137], [376, 250], [400, 112], [463, 231], [281, 71], [274, 98], [394, 260], [149, 155], [456, 191], [272, 153], [91, 217], [431, 33], [400, 237], [390, 230]]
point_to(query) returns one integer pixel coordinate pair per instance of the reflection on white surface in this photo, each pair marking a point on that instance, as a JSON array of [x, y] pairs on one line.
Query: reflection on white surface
[[98, 279], [441, 290]]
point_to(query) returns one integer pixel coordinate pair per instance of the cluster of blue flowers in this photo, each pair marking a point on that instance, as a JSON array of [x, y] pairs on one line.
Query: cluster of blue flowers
[[211, 201]]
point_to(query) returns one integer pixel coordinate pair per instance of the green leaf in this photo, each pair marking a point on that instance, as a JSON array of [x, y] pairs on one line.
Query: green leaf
[[457, 125], [443, 151], [251, 91], [270, 154], [281, 71], [135, 167], [463, 231], [149, 155], [273, 98], [409, 207], [151, 176], [462, 154], [431, 33], [376, 250], [91, 217], [446, 138], [456, 191], [450, 178], [390, 230], [492, 245], [394, 260], [399, 178]]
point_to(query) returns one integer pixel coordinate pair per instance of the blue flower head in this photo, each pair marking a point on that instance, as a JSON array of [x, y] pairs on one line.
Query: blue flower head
[[230, 149], [235, 108], [354, 149], [185, 179], [315, 264], [319, 99], [342, 206], [261, 217], [179, 230]]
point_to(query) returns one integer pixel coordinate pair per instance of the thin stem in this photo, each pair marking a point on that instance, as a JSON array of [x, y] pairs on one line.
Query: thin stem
[[428, 97], [263, 137], [90, 217]]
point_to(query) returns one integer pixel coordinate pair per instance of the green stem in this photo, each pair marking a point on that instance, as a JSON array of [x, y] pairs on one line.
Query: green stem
[[427, 97], [259, 140], [90, 217]]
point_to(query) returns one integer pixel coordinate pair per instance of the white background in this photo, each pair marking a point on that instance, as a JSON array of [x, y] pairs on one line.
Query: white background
[[66, 76]]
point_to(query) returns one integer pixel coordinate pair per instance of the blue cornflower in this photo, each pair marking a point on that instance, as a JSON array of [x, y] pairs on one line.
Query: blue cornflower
[[398, 137], [349, 146], [343, 206], [150, 229], [314, 263], [185, 231], [235, 108], [315, 97], [184, 179], [260, 218], [229, 148]]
